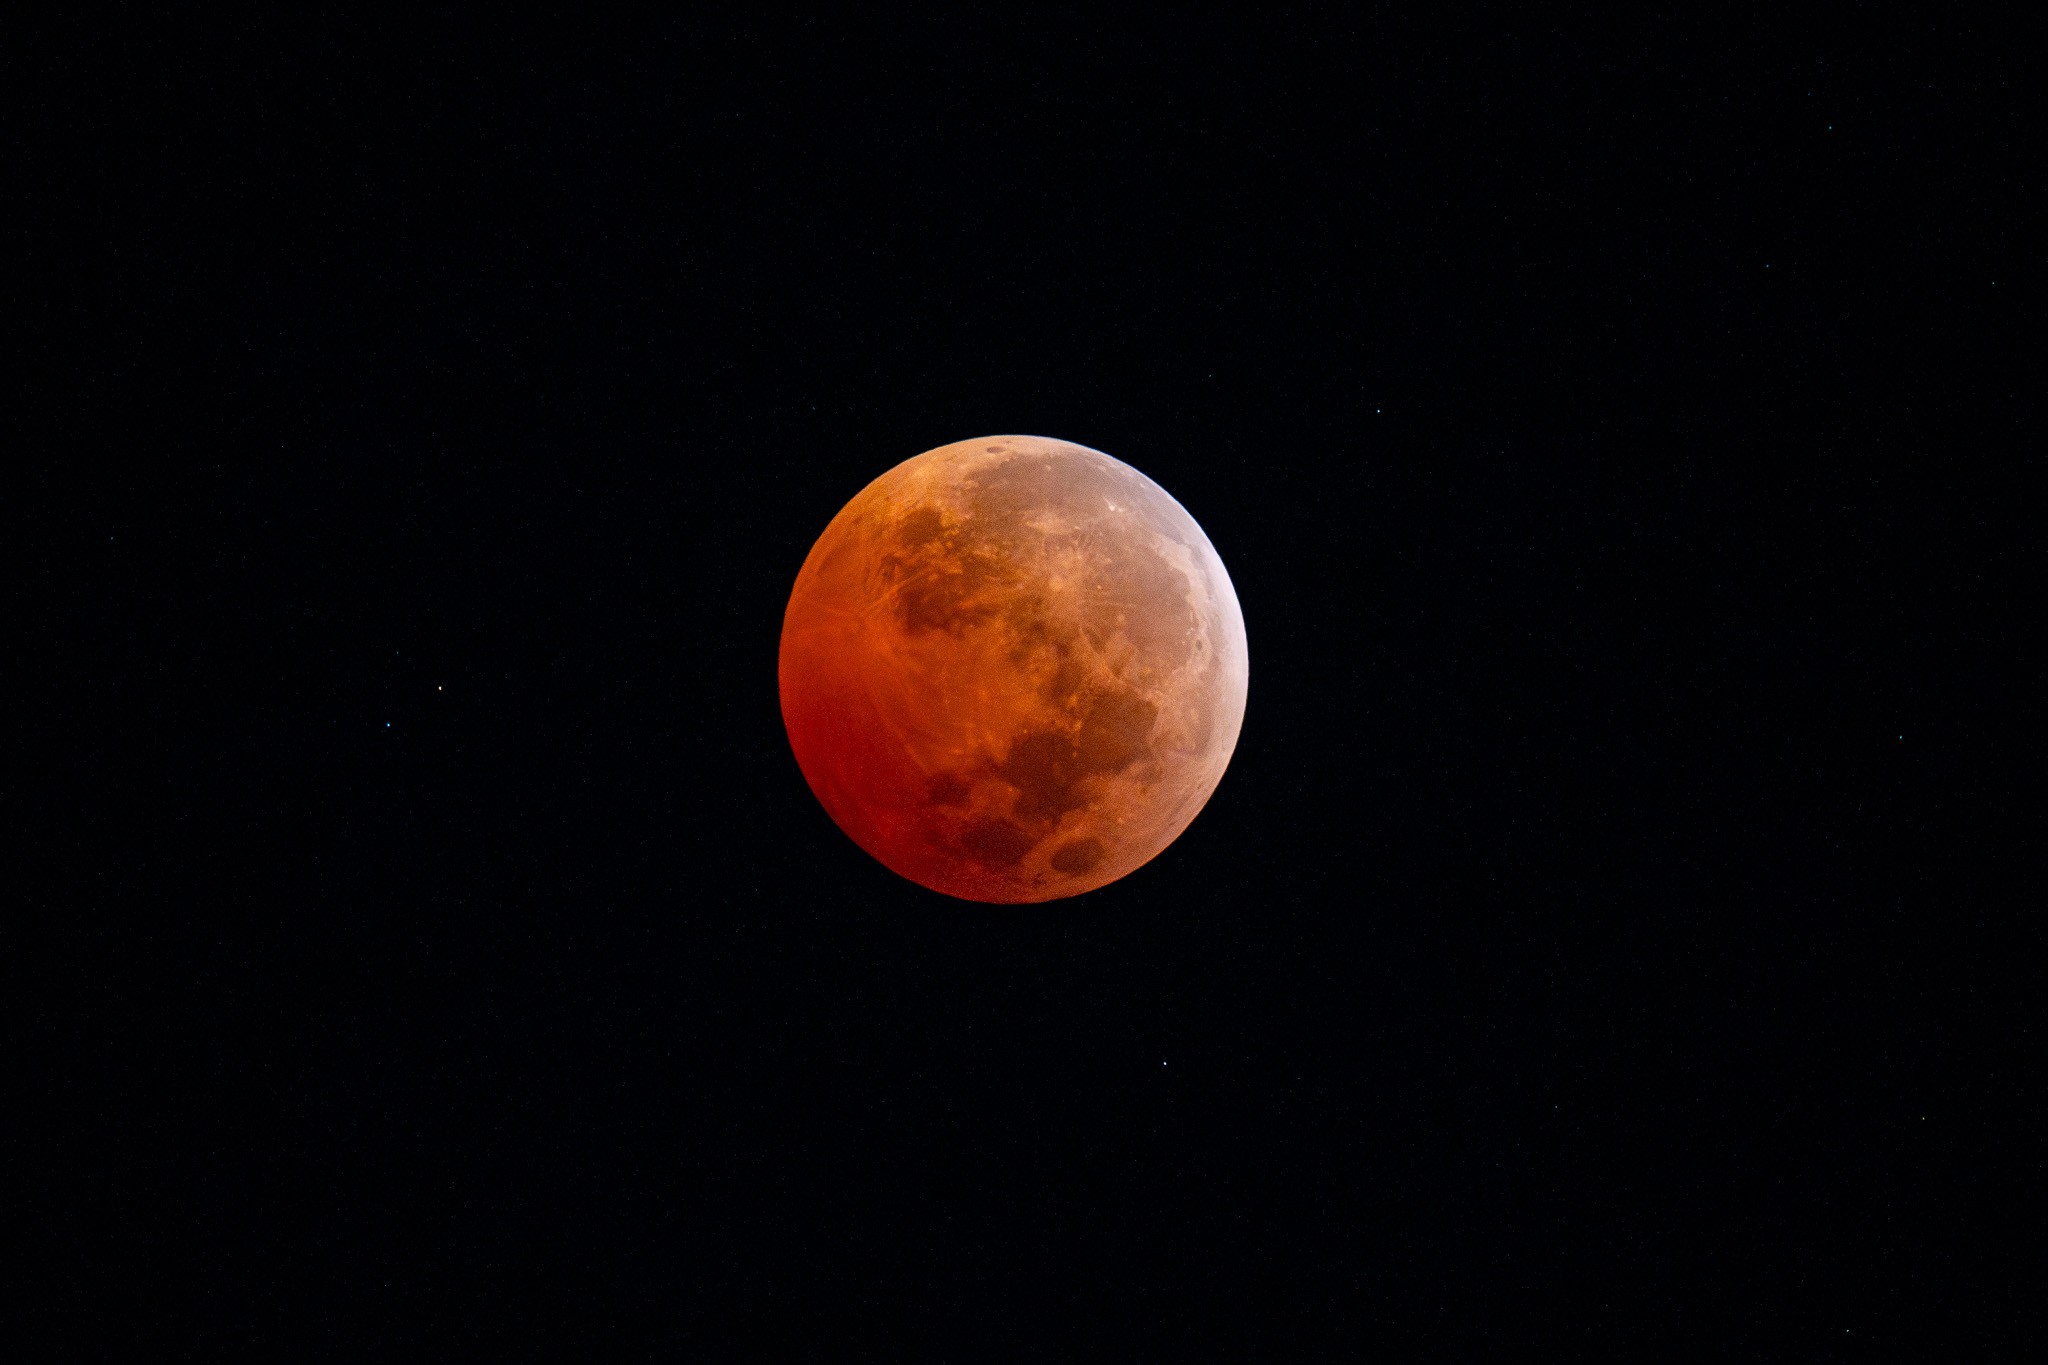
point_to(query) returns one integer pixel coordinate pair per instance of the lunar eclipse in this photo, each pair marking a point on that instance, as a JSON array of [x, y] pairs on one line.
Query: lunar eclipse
[[1013, 669]]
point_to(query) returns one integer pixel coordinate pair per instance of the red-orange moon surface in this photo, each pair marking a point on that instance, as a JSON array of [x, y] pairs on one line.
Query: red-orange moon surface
[[1013, 669]]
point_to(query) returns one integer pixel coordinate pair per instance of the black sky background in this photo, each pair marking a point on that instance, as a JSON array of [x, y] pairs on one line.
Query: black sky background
[[1603, 935]]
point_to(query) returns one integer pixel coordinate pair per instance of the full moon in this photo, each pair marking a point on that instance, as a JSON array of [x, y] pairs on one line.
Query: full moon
[[1013, 669]]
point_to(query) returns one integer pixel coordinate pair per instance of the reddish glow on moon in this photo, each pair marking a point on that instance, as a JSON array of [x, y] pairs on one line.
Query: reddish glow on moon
[[1013, 669]]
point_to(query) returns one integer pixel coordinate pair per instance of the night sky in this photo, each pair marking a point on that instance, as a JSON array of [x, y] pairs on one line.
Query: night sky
[[1605, 936]]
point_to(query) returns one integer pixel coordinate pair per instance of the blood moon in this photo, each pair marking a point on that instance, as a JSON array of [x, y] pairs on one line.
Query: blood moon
[[1013, 669]]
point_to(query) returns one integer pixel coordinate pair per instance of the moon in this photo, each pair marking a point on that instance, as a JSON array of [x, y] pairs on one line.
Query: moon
[[1013, 669]]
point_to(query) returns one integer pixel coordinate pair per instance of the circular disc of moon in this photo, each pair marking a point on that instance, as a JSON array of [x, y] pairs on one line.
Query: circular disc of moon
[[1013, 669]]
